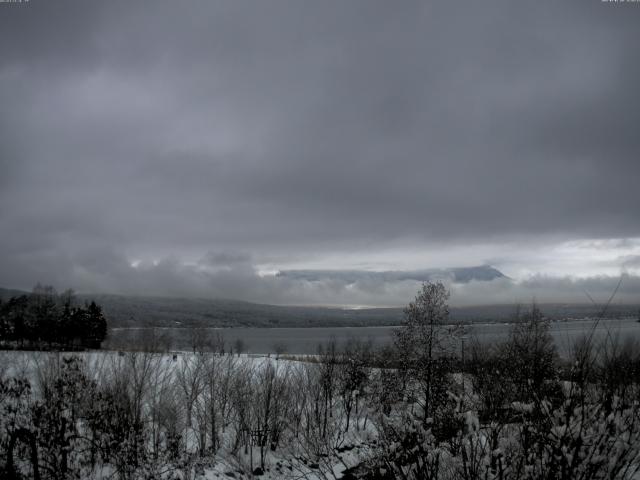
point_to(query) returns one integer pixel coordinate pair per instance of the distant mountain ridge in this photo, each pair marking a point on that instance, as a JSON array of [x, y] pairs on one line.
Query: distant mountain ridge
[[481, 273]]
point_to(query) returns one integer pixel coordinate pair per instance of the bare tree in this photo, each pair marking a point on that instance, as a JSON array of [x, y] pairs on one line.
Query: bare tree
[[190, 380], [214, 404], [353, 375], [531, 354], [239, 346], [422, 344]]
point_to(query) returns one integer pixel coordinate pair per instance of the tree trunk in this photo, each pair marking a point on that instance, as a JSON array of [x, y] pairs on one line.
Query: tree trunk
[[31, 440]]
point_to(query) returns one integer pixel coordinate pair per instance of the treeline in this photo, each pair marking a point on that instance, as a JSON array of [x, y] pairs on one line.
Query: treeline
[[45, 319], [423, 408]]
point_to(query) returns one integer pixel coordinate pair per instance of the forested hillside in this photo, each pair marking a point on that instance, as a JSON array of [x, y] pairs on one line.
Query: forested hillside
[[139, 311]]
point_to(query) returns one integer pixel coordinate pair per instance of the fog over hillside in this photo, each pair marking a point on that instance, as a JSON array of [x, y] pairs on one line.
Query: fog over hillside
[[173, 312]]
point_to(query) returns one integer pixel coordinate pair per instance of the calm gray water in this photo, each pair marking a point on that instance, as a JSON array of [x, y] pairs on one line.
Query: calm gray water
[[306, 340]]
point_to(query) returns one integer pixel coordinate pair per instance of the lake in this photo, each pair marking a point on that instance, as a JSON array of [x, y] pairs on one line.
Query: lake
[[306, 340]]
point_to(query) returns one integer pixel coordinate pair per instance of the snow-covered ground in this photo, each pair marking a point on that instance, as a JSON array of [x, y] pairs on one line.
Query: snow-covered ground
[[180, 374]]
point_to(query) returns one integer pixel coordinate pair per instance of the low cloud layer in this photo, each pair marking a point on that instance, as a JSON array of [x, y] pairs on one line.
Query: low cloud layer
[[234, 276]]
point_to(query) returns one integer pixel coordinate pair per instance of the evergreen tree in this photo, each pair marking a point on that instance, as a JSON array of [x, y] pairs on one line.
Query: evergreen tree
[[97, 324], [45, 318]]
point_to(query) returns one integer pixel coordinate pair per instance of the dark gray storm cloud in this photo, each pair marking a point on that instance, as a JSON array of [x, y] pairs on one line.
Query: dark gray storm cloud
[[282, 132]]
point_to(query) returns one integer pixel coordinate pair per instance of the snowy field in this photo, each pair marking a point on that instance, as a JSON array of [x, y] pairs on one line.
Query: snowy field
[[183, 415], [205, 389]]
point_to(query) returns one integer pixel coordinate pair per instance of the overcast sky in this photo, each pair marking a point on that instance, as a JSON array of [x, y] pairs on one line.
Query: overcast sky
[[196, 148]]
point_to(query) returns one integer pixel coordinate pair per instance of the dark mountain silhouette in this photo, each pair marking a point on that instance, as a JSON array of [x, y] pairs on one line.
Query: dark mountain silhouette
[[483, 273]]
